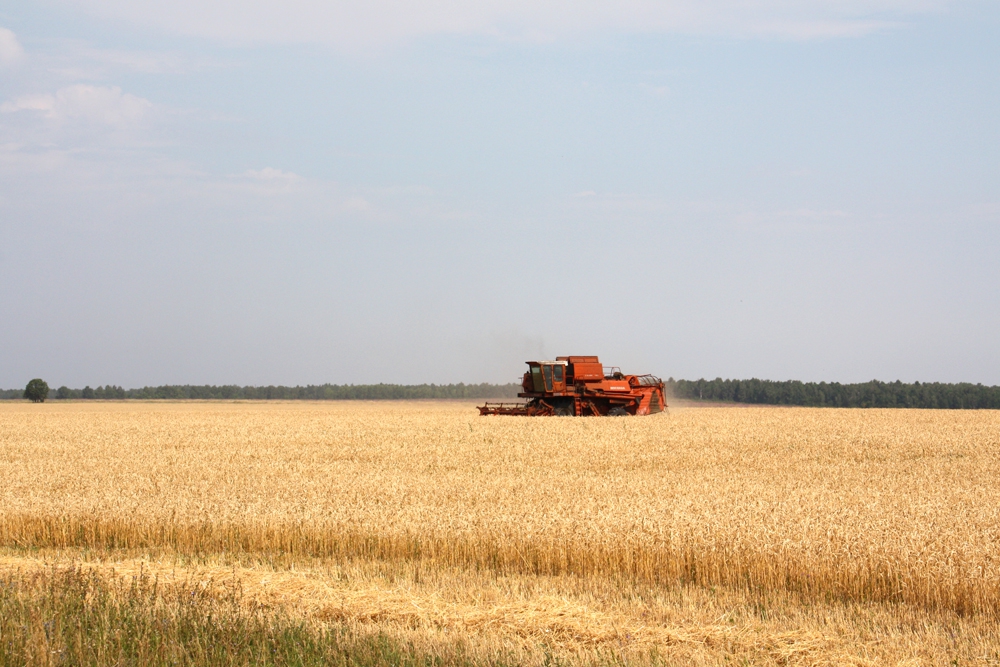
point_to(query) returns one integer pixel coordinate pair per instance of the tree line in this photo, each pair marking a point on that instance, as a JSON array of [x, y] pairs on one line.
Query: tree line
[[323, 392], [872, 394]]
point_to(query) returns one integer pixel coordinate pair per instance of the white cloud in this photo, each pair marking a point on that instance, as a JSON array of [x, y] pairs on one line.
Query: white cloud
[[10, 49], [44, 103], [144, 62], [269, 181], [271, 174], [80, 60], [360, 25], [655, 91], [357, 205], [106, 105], [813, 214], [791, 220]]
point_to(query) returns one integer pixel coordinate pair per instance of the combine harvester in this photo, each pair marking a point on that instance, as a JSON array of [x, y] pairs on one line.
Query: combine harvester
[[580, 386]]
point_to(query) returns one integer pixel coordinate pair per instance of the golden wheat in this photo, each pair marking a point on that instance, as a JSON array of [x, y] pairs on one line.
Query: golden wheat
[[854, 505]]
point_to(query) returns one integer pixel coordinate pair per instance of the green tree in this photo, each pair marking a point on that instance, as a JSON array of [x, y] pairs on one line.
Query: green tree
[[36, 391], [63, 392], [87, 392]]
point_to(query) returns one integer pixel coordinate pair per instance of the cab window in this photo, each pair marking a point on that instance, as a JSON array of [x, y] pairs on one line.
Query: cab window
[[548, 377], [536, 379]]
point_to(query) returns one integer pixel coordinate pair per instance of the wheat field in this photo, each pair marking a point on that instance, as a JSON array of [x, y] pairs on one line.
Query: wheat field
[[770, 535]]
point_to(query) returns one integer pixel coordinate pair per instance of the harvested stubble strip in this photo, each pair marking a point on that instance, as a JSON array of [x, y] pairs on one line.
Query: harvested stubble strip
[[76, 616], [687, 559]]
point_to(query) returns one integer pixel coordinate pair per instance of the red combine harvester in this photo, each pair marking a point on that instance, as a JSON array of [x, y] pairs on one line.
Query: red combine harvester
[[580, 386]]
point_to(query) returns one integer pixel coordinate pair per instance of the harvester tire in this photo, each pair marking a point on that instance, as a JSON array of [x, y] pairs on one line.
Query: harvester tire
[[618, 412], [563, 408]]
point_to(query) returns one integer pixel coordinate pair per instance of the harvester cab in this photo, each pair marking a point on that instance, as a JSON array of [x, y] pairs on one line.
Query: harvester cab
[[578, 386], [545, 376]]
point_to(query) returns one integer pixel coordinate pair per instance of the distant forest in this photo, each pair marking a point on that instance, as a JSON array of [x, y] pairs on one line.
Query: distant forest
[[872, 394], [323, 392]]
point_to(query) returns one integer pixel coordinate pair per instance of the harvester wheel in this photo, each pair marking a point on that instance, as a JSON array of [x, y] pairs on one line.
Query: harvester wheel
[[618, 412], [563, 408]]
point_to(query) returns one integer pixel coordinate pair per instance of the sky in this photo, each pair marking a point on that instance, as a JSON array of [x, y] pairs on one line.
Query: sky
[[222, 192]]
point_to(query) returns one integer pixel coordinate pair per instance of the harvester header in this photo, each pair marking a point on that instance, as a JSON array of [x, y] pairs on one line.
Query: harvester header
[[581, 386]]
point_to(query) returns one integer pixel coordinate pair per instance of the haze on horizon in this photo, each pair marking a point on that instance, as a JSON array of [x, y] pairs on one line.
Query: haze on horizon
[[307, 192]]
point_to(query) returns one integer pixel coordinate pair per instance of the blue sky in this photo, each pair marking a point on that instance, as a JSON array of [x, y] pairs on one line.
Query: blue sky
[[306, 192]]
